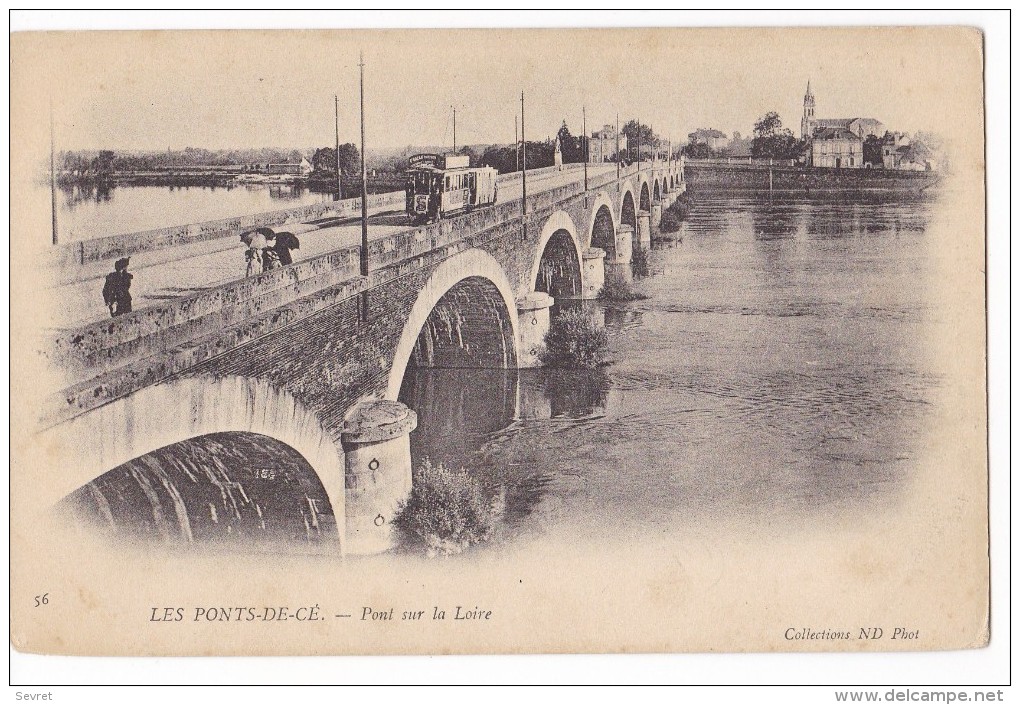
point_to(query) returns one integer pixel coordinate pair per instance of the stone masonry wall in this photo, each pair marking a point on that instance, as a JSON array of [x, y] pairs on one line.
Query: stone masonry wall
[[298, 325]]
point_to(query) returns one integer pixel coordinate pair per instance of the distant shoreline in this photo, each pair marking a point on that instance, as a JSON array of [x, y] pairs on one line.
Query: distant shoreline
[[762, 178], [376, 184]]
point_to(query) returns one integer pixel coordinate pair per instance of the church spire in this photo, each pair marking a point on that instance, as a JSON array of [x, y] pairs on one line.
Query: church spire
[[808, 119]]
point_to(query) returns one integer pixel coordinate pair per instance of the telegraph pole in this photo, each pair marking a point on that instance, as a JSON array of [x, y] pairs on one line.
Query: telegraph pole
[[364, 193], [454, 130], [517, 145], [639, 145], [618, 146], [584, 144], [336, 107], [364, 176], [53, 177], [524, 175]]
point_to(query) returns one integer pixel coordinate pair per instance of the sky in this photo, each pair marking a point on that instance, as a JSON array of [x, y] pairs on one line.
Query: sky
[[157, 90]]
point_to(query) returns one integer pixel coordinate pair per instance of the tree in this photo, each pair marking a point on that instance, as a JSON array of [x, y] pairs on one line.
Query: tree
[[103, 164], [324, 159], [504, 159], [873, 150], [696, 150], [500, 158], [350, 159], [639, 135], [570, 146], [773, 141]]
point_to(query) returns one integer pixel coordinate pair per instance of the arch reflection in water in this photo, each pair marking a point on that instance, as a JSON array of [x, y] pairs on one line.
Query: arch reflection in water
[[551, 393], [244, 490], [457, 410]]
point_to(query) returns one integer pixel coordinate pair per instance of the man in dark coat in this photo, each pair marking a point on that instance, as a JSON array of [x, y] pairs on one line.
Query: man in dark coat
[[117, 289]]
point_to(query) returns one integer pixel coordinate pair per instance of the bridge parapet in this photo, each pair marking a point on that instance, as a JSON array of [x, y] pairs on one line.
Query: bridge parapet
[[127, 244], [102, 249], [105, 360]]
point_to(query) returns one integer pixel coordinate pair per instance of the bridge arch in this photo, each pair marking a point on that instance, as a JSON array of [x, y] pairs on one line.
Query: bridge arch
[[657, 193], [183, 409], [557, 266], [628, 210], [641, 182], [644, 202], [603, 230], [601, 202], [475, 279]]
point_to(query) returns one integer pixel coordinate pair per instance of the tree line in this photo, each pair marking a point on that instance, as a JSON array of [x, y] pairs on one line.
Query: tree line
[[107, 161], [504, 158]]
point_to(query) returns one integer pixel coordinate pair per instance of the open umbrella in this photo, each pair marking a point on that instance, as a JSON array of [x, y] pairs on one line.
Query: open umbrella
[[254, 239], [288, 240]]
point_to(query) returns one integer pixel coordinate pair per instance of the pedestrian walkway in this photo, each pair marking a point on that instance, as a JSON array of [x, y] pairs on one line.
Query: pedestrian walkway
[[203, 266]]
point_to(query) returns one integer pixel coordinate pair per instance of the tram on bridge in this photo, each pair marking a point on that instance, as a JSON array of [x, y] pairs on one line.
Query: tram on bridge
[[441, 185]]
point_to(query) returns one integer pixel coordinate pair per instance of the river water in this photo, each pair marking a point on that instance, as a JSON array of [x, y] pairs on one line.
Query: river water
[[86, 212], [777, 371]]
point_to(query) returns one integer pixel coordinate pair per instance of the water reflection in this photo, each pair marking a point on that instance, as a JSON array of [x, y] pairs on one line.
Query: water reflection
[[552, 393], [75, 194], [775, 221], [90, 209], [465, 416], [778, 373], [457, 409], [618, 319]]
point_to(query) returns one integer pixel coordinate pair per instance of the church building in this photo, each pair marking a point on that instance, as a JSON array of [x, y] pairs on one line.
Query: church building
[[836, 142]]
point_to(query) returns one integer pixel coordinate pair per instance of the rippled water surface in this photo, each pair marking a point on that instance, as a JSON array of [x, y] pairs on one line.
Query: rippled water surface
[[777, 370]]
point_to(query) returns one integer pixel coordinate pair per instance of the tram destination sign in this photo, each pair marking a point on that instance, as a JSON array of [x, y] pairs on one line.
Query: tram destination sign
[[439, 161], [417, 161]]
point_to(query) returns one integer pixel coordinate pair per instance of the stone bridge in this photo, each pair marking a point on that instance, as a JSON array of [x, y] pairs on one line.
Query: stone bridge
[[314, 355]]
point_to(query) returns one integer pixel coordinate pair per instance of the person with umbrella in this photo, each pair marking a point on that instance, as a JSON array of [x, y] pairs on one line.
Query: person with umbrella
[[285, 242], [256, 242]]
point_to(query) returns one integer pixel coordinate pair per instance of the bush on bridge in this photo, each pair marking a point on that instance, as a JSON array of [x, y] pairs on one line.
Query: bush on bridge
[[575, 339], [447, 511]]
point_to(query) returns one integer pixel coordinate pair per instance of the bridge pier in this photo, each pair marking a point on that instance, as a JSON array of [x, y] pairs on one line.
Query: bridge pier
[[624, 244], [533, 403], [644, 235], [533, 315], [656, 214], [377, 458], [618, 268], [593, 273]]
